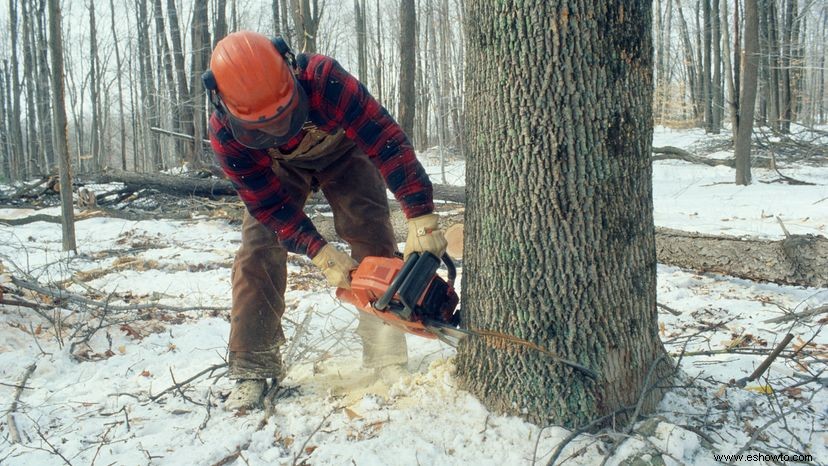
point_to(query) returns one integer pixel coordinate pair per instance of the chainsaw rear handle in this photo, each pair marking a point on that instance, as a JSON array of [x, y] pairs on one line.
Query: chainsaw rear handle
[[385, 299]]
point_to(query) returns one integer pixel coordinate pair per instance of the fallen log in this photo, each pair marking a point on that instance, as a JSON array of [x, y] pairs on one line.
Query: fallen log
[[210, 187], [795, 260], [676, 153]]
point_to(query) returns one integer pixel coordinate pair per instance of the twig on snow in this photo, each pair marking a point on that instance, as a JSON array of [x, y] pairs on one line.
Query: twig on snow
[[177, 386], [13, 431], [304, 445]]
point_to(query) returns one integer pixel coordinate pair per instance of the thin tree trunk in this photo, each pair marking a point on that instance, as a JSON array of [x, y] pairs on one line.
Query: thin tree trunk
[[220, 25], [773, 39], [362, 40], [148, 90], [60, 130], [750, 76], [33, 142], [787, 46], [5, 146], [95, 89], [729, 82], [165, 59], [708, 82], [408, 63], [18, 148], [185, 110], [718, 98], [277, 25], [43, 92], [558, 253], [689, 62], [379, 65], [119, 72], [200, 62]]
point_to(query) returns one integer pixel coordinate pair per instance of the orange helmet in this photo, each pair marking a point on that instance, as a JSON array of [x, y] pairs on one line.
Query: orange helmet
[[252, 83]]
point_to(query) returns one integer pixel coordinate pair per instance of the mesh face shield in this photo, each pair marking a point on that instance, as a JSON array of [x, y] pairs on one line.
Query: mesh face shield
[[273, 131]]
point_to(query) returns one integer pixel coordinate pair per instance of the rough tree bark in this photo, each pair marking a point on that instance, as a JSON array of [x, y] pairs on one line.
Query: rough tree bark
[[561, 247], [59, 128], [747, 94]]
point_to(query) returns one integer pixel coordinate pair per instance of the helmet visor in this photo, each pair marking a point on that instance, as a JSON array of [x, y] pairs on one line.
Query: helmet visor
[[276, 130]]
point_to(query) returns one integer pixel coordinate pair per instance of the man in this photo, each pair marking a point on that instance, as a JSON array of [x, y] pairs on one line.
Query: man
[[285, 126]]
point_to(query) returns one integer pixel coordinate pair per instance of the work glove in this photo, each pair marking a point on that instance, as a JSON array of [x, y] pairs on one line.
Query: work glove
[[336, 265], [425, 235]]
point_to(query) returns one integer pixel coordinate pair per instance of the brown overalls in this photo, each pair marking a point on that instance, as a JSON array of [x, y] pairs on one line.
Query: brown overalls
[[356, 193]]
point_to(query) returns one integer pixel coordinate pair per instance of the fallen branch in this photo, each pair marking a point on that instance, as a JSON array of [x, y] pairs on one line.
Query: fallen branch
[[798, 315], [318, 428], [14, 433], [64, 296], [177, 385]]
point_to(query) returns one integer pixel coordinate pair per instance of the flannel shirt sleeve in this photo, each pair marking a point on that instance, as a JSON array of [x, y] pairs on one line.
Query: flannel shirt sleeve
[[341, 98], [260, 189]]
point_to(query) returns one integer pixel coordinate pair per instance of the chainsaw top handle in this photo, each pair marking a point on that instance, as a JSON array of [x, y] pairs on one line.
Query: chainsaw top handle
[[385, 299]]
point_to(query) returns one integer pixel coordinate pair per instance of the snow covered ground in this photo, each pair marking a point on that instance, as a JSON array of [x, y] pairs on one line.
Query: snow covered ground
[[102, 389]]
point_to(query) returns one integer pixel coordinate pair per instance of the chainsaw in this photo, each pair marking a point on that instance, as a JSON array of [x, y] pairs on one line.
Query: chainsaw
[[411, 296], [408, 295]]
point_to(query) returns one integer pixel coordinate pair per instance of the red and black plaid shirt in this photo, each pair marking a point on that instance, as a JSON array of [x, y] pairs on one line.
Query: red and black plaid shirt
[[336, 100]]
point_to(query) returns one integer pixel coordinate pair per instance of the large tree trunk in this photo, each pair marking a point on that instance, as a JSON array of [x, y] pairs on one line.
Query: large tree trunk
[[750, 77], [561, 247], [59, 134], [408, 64], [119, 73]]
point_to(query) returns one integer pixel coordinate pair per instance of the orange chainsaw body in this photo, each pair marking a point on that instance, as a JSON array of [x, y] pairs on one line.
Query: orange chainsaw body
[[433, 297]]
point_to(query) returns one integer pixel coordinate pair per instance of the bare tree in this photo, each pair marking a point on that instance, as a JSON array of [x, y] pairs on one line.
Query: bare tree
[[750, 76], [60, 130], [185, 111], [18, 156], [118, 72], [148, 88], [306, 17], [95, 88], [408, 62], [361, 40], [200, 62], [43, 93]]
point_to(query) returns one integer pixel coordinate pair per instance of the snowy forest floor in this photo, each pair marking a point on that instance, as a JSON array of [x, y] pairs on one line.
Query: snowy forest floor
[[122, 383]]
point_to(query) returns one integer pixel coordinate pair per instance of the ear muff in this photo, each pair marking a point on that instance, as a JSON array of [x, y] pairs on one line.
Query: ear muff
[[282, 46], [209, 81]]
